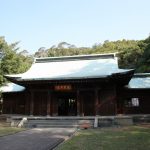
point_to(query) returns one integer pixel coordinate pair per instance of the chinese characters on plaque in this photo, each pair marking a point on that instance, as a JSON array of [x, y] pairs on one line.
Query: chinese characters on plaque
[[63, 87]]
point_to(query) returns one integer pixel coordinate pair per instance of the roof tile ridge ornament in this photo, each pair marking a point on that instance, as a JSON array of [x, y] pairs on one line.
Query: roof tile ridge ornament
[[75, 57]]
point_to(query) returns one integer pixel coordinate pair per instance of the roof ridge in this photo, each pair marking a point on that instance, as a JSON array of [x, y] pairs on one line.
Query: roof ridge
[[75, 57]]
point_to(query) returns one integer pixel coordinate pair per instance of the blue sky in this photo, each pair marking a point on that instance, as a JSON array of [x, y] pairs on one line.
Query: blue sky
[[43, 23]]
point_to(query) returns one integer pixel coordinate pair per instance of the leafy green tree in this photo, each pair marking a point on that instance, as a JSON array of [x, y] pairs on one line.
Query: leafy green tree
[[144, 62], [12, 62]]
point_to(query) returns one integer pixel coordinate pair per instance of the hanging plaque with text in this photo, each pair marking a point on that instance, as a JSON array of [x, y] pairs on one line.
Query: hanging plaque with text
[[63, 87]]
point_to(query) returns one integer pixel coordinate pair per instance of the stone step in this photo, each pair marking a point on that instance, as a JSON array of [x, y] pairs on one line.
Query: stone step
[[52, 126], [41, 121], [56, 123], [50, 123]]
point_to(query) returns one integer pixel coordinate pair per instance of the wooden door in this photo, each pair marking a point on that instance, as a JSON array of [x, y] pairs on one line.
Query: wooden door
[[40, 103], [88, 103]]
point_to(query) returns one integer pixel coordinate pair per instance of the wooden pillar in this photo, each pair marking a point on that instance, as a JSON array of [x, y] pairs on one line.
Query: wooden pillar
[[27, 103], [96, 101], [49, 104], [82, 99], [78, 103], [15, 107], [31, 103], [54, 108]]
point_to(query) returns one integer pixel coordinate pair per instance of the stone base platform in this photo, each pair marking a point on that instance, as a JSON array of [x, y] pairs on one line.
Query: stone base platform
[[76, 121]]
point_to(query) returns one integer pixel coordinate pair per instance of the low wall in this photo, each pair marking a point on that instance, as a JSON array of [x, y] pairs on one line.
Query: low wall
[[115, 121], [138, 119]]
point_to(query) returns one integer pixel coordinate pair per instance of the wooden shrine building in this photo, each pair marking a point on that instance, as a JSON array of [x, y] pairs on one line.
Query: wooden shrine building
[[85, 85]]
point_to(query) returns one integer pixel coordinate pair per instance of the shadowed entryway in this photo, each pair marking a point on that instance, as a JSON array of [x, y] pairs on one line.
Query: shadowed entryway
[[67, 105]]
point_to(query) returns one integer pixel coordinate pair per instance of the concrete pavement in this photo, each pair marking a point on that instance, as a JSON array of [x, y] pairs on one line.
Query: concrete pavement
[[36, 139]]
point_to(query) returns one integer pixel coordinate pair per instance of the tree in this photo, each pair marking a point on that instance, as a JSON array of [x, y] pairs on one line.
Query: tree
[[144, 62], [12, 62]]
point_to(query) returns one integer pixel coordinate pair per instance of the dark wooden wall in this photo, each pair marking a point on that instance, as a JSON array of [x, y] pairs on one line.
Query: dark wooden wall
[[40, 103], [125, 96], [94, 99], [87, 99], [107, 101], [14, 103]]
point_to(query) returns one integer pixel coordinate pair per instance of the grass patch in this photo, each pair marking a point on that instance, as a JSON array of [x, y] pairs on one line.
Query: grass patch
[[127, 138], [9, 130]]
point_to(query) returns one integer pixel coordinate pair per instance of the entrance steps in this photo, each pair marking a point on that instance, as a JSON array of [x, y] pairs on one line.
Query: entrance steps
[[74, 121], [50, 123], [58, 122]]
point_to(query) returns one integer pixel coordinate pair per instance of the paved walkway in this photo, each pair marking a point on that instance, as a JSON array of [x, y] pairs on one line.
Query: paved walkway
[[35, 139]]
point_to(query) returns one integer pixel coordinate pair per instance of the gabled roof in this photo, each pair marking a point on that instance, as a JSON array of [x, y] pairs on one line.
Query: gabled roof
[[71, 67]]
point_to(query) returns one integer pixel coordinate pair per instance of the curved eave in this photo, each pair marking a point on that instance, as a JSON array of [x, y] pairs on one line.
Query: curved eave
[[121, 78], [60, 80], [136, 89], [12, 78]]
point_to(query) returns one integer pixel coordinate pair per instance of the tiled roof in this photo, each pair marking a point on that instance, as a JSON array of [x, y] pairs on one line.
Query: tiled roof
[[141, 81], [71, 67], [11, 87]]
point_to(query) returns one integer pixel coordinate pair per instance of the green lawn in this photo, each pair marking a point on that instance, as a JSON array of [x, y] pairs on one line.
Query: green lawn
[[127, 138], [9, 130]]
